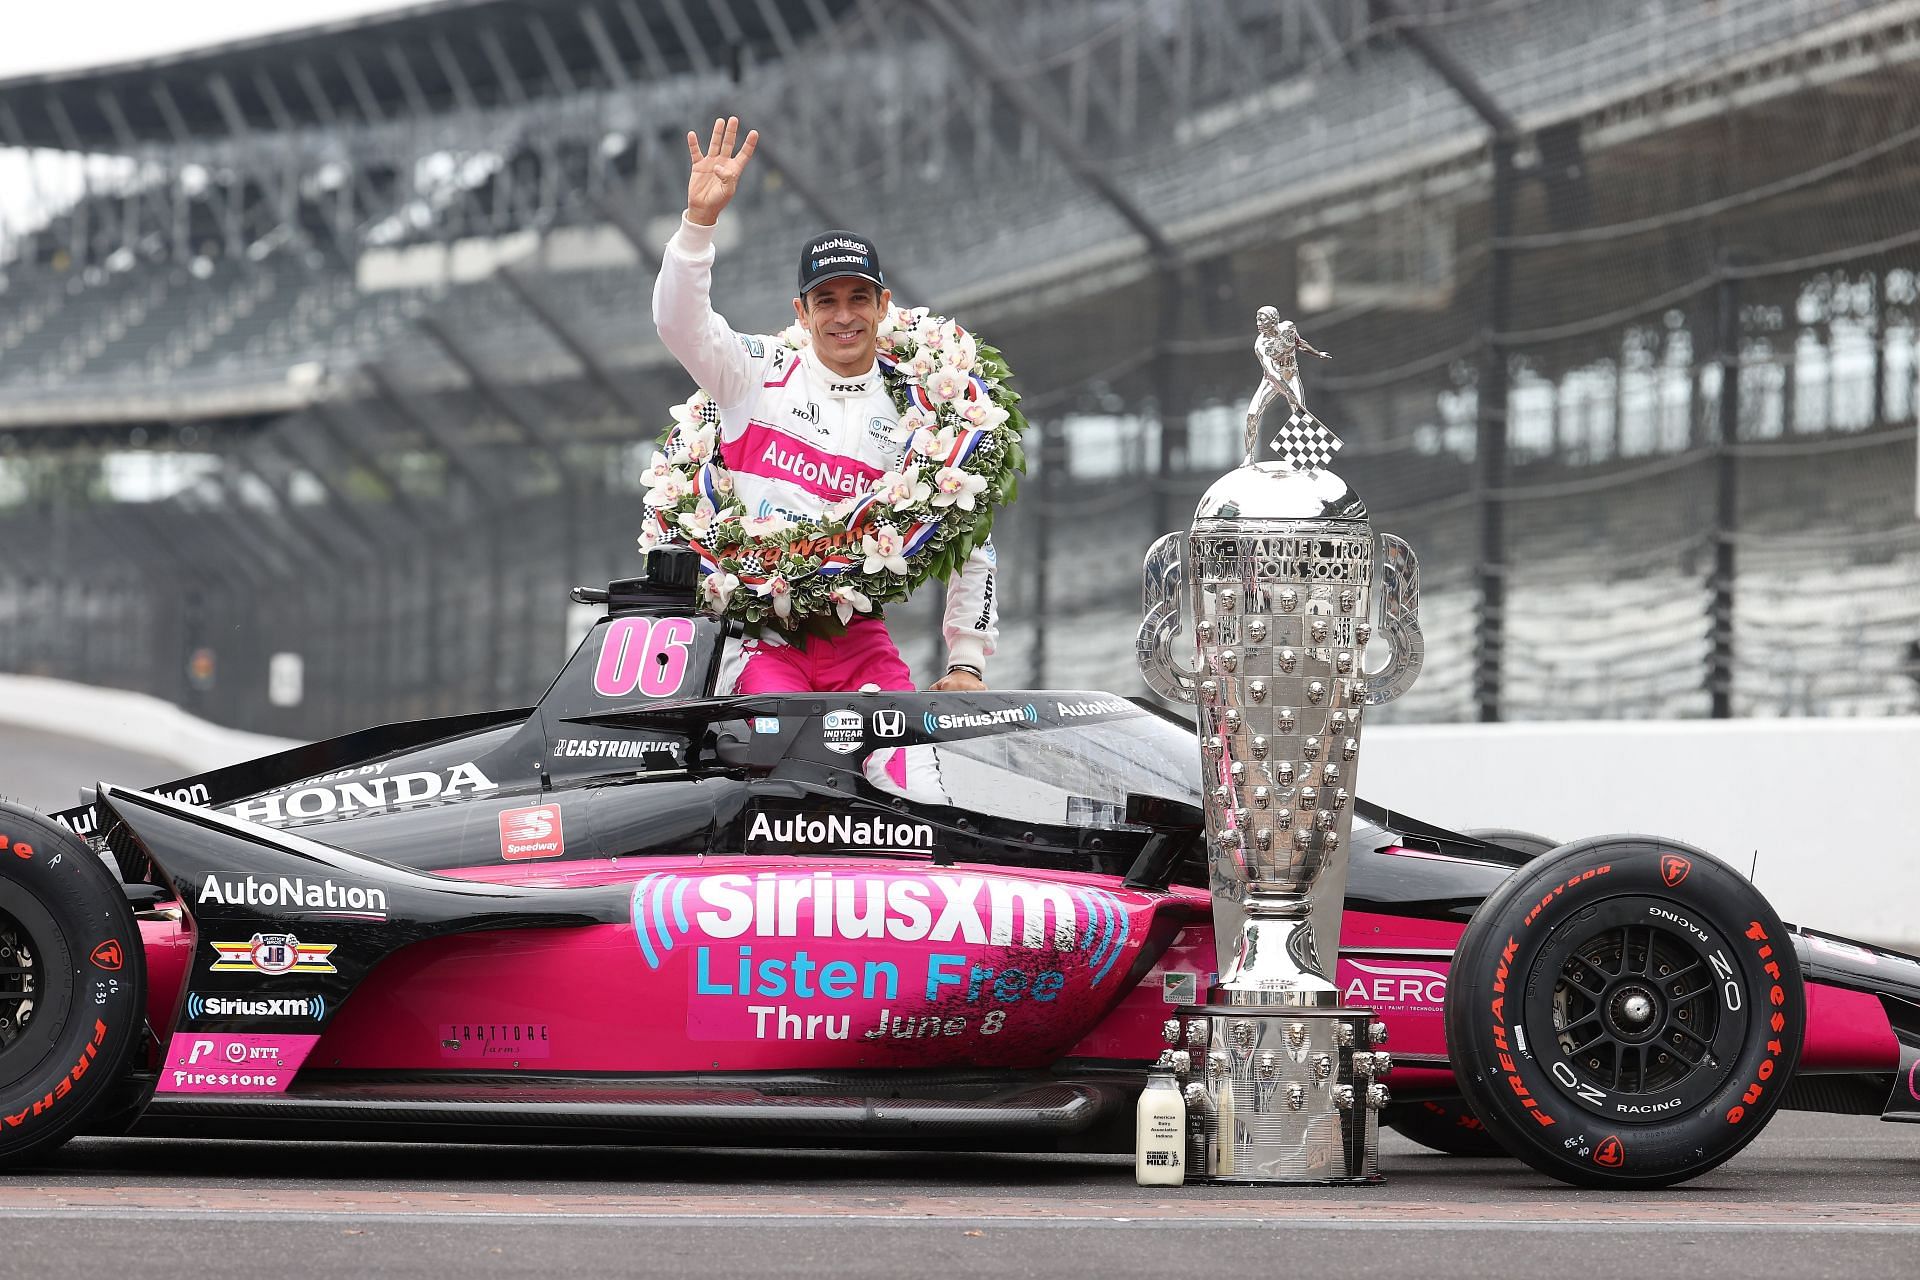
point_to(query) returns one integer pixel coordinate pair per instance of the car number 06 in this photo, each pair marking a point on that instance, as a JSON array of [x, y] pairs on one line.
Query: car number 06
[[645, 653]]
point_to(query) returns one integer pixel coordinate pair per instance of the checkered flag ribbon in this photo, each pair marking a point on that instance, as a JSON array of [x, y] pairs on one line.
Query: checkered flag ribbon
[[1306, 442]]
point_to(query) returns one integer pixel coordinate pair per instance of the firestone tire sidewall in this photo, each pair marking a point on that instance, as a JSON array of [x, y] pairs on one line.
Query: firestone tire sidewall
[[91, 985], [1502, 1040]]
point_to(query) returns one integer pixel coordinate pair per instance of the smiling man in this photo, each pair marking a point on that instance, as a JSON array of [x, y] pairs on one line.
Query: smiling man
[[802, 430]]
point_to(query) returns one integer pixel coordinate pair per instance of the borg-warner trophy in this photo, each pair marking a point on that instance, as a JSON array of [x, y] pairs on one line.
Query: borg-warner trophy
[[1280, 565]]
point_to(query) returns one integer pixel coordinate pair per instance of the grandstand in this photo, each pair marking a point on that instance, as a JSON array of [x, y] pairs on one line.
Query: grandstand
[[335, 342]]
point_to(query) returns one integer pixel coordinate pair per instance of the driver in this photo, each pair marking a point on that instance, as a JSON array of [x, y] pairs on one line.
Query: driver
[[802, 430]]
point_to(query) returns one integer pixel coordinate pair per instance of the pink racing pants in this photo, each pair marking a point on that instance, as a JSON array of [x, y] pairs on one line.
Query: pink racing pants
[[865, 655]]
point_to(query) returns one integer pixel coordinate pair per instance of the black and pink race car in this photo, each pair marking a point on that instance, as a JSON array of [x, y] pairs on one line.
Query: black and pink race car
[[640, 913]]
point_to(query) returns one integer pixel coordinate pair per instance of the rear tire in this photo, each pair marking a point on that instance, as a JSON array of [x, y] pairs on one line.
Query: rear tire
[[72, 985], [1625, 1012]]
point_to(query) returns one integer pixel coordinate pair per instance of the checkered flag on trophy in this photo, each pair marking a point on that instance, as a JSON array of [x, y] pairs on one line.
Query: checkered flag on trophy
[[1305, 441]]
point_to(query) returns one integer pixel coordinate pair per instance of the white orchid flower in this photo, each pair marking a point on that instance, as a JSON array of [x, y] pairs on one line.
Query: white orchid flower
[[765, 526], [839, 510], [900, 489], [929, 443], [848, 602], [658, 472], [920, 367], [698, 443], [889, 324], [931, 337], [780, 592], [697, 521], [718, 589], [947, 386], [954, 487], [884, 549], [649, 539]]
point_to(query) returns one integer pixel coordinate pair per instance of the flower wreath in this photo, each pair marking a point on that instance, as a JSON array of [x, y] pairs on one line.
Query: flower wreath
[[963, 459]]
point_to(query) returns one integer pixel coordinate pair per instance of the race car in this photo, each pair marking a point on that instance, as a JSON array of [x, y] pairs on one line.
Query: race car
[[637, 912]]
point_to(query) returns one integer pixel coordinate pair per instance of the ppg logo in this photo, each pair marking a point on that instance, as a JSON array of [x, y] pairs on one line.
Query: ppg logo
[[889, 724]]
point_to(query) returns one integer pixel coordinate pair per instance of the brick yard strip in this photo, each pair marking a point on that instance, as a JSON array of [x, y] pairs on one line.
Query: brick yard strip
[[1596, 1209]]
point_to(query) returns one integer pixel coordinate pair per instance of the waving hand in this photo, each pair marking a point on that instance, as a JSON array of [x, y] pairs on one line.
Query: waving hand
[[716, 171]]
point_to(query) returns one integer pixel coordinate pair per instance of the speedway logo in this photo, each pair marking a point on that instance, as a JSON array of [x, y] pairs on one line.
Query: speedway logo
[[361, 793], [532, 833], [295, 894], [837, 831], [199, 1006], [1028, 714], [1095, 707], [274, 954]]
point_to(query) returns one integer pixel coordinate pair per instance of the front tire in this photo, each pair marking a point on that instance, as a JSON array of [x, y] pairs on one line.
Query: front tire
[[1625, 1012], [72, 985]]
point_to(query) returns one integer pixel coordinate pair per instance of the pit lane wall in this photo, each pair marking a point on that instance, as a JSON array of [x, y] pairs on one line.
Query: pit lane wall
[[1828, 811]]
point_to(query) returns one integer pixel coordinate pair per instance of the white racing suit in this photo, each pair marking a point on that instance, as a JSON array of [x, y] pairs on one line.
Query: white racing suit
[[796, 436]]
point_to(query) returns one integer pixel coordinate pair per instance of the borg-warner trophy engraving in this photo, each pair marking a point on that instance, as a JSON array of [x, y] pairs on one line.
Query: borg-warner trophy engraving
[[1280, 568]]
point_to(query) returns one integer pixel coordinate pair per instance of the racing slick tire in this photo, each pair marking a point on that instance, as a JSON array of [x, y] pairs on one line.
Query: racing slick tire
[[72, 985], [1625, 1012], [1509, 838], [1446, 1125]]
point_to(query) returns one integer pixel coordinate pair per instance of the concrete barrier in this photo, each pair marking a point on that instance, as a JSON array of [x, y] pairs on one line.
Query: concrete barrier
[[134, 721], [1826, 813]]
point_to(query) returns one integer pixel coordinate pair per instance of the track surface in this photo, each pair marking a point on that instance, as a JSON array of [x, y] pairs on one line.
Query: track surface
[[45, 772], [1814, 1196]]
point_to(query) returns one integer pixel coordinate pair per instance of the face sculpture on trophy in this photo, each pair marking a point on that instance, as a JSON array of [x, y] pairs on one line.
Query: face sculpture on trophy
[[1280, 567]]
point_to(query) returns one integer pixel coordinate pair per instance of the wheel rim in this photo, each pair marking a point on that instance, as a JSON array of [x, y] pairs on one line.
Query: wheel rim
[[1643, 1008], [21, 981]]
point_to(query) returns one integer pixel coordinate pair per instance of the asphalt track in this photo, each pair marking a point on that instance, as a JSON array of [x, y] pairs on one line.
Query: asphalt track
[[1814, 1196]]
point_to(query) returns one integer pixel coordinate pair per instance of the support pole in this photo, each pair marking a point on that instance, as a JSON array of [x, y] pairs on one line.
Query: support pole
[[1726, 500]]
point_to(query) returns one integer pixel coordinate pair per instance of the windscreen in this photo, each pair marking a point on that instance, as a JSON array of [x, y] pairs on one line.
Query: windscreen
[[1070, 775]]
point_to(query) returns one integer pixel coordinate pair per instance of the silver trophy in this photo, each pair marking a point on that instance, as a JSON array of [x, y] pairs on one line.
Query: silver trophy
[[1280, 568]]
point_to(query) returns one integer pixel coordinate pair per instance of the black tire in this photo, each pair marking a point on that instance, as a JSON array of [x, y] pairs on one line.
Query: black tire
[[1510, 838], [1625, 1012], [1447, 1125], [73, 985]]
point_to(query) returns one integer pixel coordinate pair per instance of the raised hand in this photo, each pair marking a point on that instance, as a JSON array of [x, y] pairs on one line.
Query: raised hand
[[716, 171]]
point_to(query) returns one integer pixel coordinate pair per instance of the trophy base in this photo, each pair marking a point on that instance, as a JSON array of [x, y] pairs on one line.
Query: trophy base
[[1291, 1096]]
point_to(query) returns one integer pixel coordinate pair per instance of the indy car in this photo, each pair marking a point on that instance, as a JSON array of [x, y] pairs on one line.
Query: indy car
[[638, 912]]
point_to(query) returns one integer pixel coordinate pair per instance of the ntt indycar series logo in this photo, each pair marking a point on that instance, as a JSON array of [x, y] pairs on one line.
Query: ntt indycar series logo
[[982, 719]]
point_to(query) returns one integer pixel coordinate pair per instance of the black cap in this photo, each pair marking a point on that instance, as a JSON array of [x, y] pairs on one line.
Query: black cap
[[833, 254]]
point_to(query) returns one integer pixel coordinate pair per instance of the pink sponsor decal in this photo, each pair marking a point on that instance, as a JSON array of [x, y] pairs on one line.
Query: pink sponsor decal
[[887, 956], [763, 451], [214, 1062], [644, 654], [504, 1043], [1408, 993], [534, 832]]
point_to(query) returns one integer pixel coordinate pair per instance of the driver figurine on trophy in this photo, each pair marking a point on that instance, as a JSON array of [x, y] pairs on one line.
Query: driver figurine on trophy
[[1276, 345], [1281, 562]]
